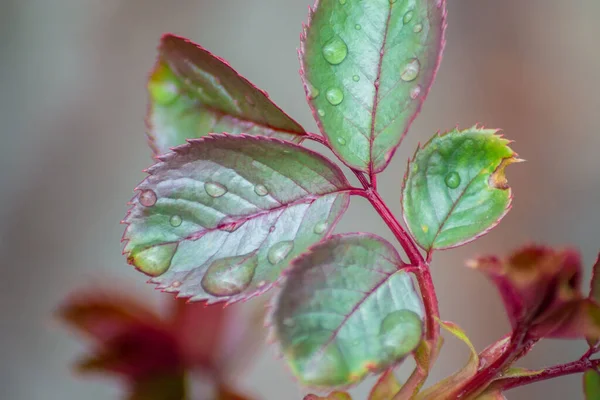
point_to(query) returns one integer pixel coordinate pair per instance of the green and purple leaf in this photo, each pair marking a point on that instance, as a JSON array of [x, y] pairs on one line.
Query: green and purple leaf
[[193, 93], [540, 290], [367, 67], [219, 218], [455, 189], [346, 308]]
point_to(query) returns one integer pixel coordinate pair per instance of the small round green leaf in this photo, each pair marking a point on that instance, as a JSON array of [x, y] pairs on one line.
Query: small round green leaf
[[367, 67], [455, 189], [193, 93], [346, 309], [220, 217]]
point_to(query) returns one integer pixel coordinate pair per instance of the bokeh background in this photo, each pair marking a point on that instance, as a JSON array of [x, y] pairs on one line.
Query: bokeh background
[[72, 101]]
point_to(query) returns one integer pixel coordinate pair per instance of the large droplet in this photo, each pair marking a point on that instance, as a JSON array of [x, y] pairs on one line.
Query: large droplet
[[279, 251], [415, 92], [335, 51], [323, 368], [452, 179], [261, 190], [154, 261], [215, 189], [411, 70], [229, 276], [341, 141], [320, 227], [418, 28], [400, 333], [334, 96], [313, 92], [175, 221], [408, 17], [147, 198]]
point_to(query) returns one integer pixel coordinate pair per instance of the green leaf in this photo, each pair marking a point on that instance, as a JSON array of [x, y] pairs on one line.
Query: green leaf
[[367, 67], [595, 291], [455, 189], [346, 308], [161, 387], [331, 396], [591, 384], [444, 389], [193, 93], [220, 217], [386, 387]]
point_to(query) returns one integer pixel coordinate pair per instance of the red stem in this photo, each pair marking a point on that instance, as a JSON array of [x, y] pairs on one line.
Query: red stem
[[574, 367]]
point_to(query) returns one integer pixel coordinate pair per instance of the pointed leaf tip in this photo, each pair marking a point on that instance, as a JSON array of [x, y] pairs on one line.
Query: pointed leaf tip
[[332, 328], [193, 93], [455, 188], [367, 68]]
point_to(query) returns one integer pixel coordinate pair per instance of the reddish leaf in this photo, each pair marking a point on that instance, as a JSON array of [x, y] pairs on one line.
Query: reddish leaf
[[332, 396], [540, 289], [226, 393], [595, 283], [162, 387]]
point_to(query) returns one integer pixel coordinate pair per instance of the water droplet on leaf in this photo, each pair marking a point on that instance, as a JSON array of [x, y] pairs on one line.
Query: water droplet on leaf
[[356, 78], [411, 70], [342, 2], [418, 28], [147, 198], [357, 27], [321, 112], [341, 140], [261, 190], [279, 251], [452, 180], [320, 227], [229, 276], [313, 92], [326, 368], [176, 284], [400, 332], [215, 189], [335, 51], [175, 221], [156, 260], [415, 92], [408, 17], [334, 96]]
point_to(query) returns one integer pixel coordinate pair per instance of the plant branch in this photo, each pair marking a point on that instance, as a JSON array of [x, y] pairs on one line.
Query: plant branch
[[574, 367], [512, 351]]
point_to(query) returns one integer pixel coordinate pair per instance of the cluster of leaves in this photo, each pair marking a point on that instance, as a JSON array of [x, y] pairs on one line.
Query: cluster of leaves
[[223, 217], [156, 356]]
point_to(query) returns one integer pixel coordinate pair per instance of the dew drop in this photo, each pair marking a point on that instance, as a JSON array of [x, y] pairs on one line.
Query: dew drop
[[341, 140], [415, 92], [261, 284], [334, 96], [417, 28], [229, 276], [313, 92], [279, 251], [452, 179], [357, 27], [175, 221], [342, 2], [321, 112], [356, 78], [261, 190], [400, 332], [320, 227], [215, 189], [411, 70], [335, 51], [147, 198], [176, 284], [408, 17], [328, 368], [156, 260]]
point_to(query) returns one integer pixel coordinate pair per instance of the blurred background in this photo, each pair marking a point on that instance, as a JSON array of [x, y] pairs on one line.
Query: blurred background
[[72, 102]]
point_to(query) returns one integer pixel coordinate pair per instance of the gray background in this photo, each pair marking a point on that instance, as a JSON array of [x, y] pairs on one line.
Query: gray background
[[72, 101]]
